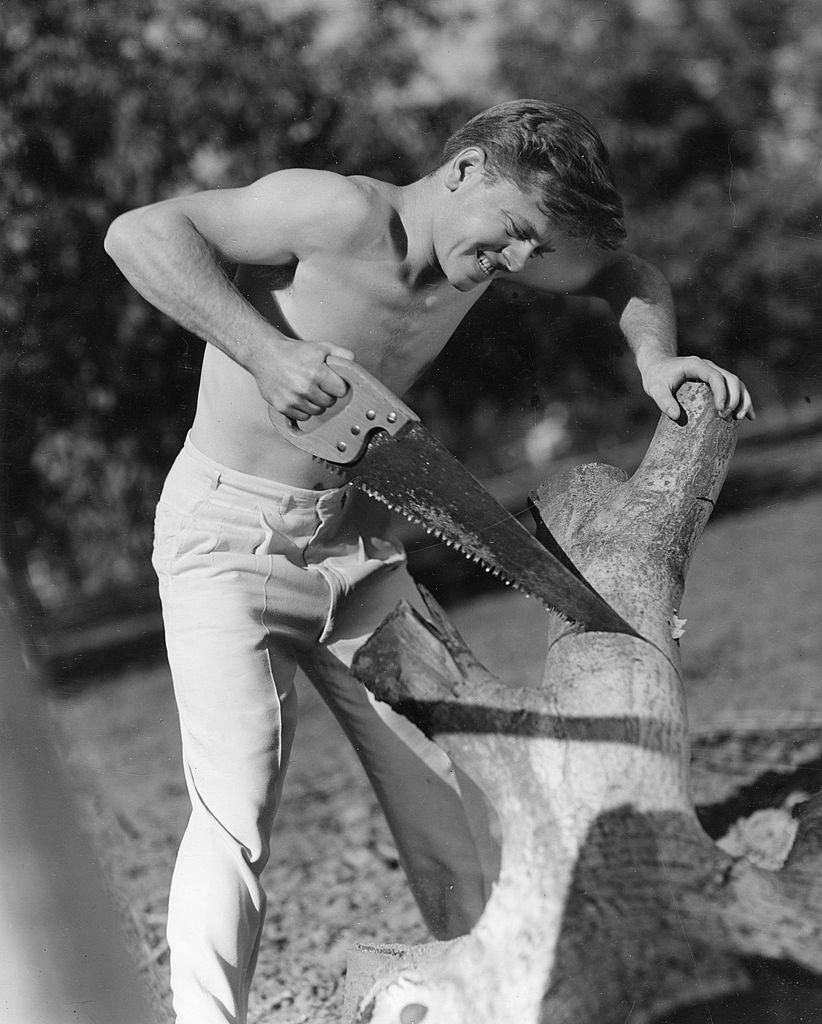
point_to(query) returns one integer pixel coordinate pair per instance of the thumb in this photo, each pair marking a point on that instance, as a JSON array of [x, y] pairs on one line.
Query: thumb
[[340, 353], [665, 401]]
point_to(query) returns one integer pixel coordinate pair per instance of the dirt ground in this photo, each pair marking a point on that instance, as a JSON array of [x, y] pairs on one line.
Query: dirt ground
[[753, 657]]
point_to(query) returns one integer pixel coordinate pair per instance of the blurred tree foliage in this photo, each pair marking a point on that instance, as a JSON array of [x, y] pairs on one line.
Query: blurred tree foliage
[[711, 112]]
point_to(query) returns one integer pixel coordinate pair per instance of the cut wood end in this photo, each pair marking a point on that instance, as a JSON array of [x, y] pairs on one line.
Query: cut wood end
[[403, 634]]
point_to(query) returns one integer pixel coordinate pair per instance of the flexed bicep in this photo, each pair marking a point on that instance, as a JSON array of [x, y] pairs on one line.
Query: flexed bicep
[[276, 219], [171, 251]]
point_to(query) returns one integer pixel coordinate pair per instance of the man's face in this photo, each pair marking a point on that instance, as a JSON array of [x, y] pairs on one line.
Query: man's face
[[488, 229]]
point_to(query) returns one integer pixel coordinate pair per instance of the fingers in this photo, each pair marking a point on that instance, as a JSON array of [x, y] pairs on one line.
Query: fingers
[[315, 400], [303, 410], [310, 386], [739, 404], [745, 409], [730, 396], [717, 382], [331, 384]]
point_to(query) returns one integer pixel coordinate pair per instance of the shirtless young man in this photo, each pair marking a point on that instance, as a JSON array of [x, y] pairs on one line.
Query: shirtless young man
[[265, 562]]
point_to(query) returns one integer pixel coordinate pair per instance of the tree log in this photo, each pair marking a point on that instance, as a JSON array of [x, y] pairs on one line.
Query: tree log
[[612, 904]]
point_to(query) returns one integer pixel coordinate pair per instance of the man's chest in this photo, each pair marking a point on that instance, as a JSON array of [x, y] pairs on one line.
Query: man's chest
[[394, 329]]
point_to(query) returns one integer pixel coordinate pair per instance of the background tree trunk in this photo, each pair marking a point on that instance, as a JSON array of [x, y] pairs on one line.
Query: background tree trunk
[[613, 903], [63, 956]]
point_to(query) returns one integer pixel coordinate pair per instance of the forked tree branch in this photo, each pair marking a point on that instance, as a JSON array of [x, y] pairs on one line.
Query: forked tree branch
[[612, 903]]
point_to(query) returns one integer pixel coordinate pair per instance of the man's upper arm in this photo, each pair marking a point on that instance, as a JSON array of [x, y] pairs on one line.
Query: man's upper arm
[[274, 220]]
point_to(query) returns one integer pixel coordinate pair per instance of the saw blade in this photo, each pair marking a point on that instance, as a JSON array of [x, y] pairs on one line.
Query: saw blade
[[413, 474]]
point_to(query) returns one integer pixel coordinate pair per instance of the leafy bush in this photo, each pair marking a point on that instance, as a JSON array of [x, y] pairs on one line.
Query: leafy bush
[[711, 112]]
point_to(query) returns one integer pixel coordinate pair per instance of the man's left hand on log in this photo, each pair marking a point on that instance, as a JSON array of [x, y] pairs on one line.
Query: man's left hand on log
[[663, 377]]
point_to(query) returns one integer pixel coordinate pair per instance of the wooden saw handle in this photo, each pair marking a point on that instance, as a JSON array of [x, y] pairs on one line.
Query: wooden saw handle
[[340, 433]]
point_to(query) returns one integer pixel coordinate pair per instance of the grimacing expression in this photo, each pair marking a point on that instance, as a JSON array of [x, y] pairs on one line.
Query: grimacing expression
[[493, 227]]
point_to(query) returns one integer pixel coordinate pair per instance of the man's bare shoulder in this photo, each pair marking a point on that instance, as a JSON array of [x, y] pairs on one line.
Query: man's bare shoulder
[[283, 216], [333, 209]]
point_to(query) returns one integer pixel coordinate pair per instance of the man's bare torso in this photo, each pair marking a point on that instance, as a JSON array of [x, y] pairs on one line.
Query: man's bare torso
[[355, 295], [384, 274]]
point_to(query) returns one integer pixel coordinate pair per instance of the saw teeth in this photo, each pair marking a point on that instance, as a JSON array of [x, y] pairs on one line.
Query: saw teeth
[[438, 533]]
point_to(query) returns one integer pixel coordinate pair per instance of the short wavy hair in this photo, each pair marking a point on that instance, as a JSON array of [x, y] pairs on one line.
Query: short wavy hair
[[536, 144]]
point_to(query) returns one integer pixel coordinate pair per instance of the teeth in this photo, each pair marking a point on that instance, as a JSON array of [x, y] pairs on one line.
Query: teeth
[[485, 264], [433, 530]]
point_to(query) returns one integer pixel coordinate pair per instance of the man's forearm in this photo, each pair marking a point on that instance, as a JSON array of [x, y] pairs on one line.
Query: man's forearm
[[168, 261], [171, 265], [641, 300]]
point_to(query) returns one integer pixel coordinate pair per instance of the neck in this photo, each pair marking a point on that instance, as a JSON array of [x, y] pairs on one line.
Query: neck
[[417, 209]]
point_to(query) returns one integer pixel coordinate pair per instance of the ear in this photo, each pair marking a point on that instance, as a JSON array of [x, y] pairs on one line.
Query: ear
[[467, 164]]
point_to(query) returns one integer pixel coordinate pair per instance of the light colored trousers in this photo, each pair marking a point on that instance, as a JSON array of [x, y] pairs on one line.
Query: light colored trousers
[[257, 578]]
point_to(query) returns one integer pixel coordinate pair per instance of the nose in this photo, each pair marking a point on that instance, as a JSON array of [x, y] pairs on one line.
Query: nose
[[517, 255]]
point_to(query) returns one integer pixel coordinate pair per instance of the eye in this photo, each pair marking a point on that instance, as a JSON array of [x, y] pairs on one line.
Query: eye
[[513, 231]]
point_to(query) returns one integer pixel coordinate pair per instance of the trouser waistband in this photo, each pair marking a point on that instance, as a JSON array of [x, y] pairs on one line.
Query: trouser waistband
[[262, 487]]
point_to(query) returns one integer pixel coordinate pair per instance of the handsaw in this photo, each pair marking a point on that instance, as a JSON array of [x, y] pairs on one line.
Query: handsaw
[[385, 451]]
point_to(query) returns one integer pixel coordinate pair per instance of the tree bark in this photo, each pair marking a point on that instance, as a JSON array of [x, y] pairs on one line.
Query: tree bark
[[612, 904]]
